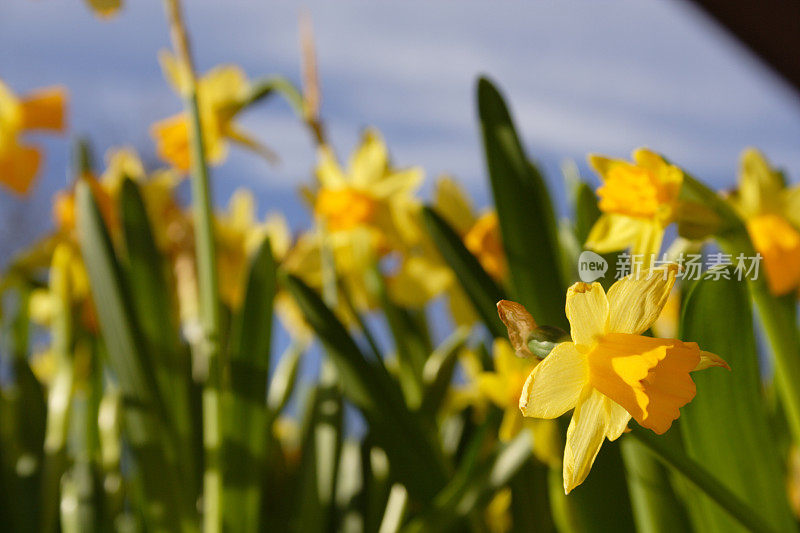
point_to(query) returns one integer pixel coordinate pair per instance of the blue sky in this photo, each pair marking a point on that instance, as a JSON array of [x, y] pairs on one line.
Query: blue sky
[[581, 77]]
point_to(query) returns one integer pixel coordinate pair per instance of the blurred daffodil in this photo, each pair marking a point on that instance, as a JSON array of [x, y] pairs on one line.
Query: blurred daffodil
[[222, 94], [365, 213], [610, 372], [503, 388], [638, 201], [771, 211], [40, 110]]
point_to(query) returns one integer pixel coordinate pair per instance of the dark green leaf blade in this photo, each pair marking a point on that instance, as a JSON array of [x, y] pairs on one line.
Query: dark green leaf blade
[[481, 289], [527, 221]]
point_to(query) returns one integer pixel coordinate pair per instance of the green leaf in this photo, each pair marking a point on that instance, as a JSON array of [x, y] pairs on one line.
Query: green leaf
[[527, 221], [155, 312], [481, 289], [656, 507], [725, 427], [416, 461], [410, 341], [245, 424], [147, 423], [438, 372]]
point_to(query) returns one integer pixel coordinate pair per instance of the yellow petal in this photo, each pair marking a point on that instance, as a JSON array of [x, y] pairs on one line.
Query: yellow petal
[[636, 300], [453, 205], [670, 177], [587, 310], [519, 324], [612, 233], [398, 182], [45, 109], [602, 164], [370, 161], [511, 424], [791, 204], [584, 437], [759, 185], [708, 359], [554, 386], [224, 88], [328, 171], [779, 244], [648, 241], [172, 141], [18, 168], [418, 281], [173, 71], [617, 419]]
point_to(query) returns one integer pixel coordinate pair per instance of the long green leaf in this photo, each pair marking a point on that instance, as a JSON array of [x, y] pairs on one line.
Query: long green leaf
[[656, 507], [146, 421], [481, 289], [527, 221], [725, 427], [416, 461], [145, 270], [246, 413]]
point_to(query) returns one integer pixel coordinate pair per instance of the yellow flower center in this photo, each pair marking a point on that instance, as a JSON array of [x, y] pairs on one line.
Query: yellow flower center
[[483, 240], [345, 208], [649, 377], [779, 244], [636, 192]]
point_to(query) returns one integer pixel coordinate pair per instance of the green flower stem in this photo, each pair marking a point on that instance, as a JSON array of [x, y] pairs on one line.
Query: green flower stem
[[702, 479], [207, 280]]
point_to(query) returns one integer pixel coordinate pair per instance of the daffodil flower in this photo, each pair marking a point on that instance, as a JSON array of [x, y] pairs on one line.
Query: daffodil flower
[[638, 201], [221, 94], [610, 372], [42, 110], [771, 211], [365, 212]]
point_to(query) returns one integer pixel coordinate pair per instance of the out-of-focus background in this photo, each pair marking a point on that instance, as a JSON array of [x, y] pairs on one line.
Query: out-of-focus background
[[652, 73]]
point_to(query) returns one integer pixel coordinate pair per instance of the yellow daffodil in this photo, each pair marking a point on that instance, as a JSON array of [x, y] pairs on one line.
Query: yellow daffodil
[[221, 94], [503, 388], [365, 213], [771, 211], [610, 372], [483, 240], [638, 201], [370, 194], [42, 110]]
